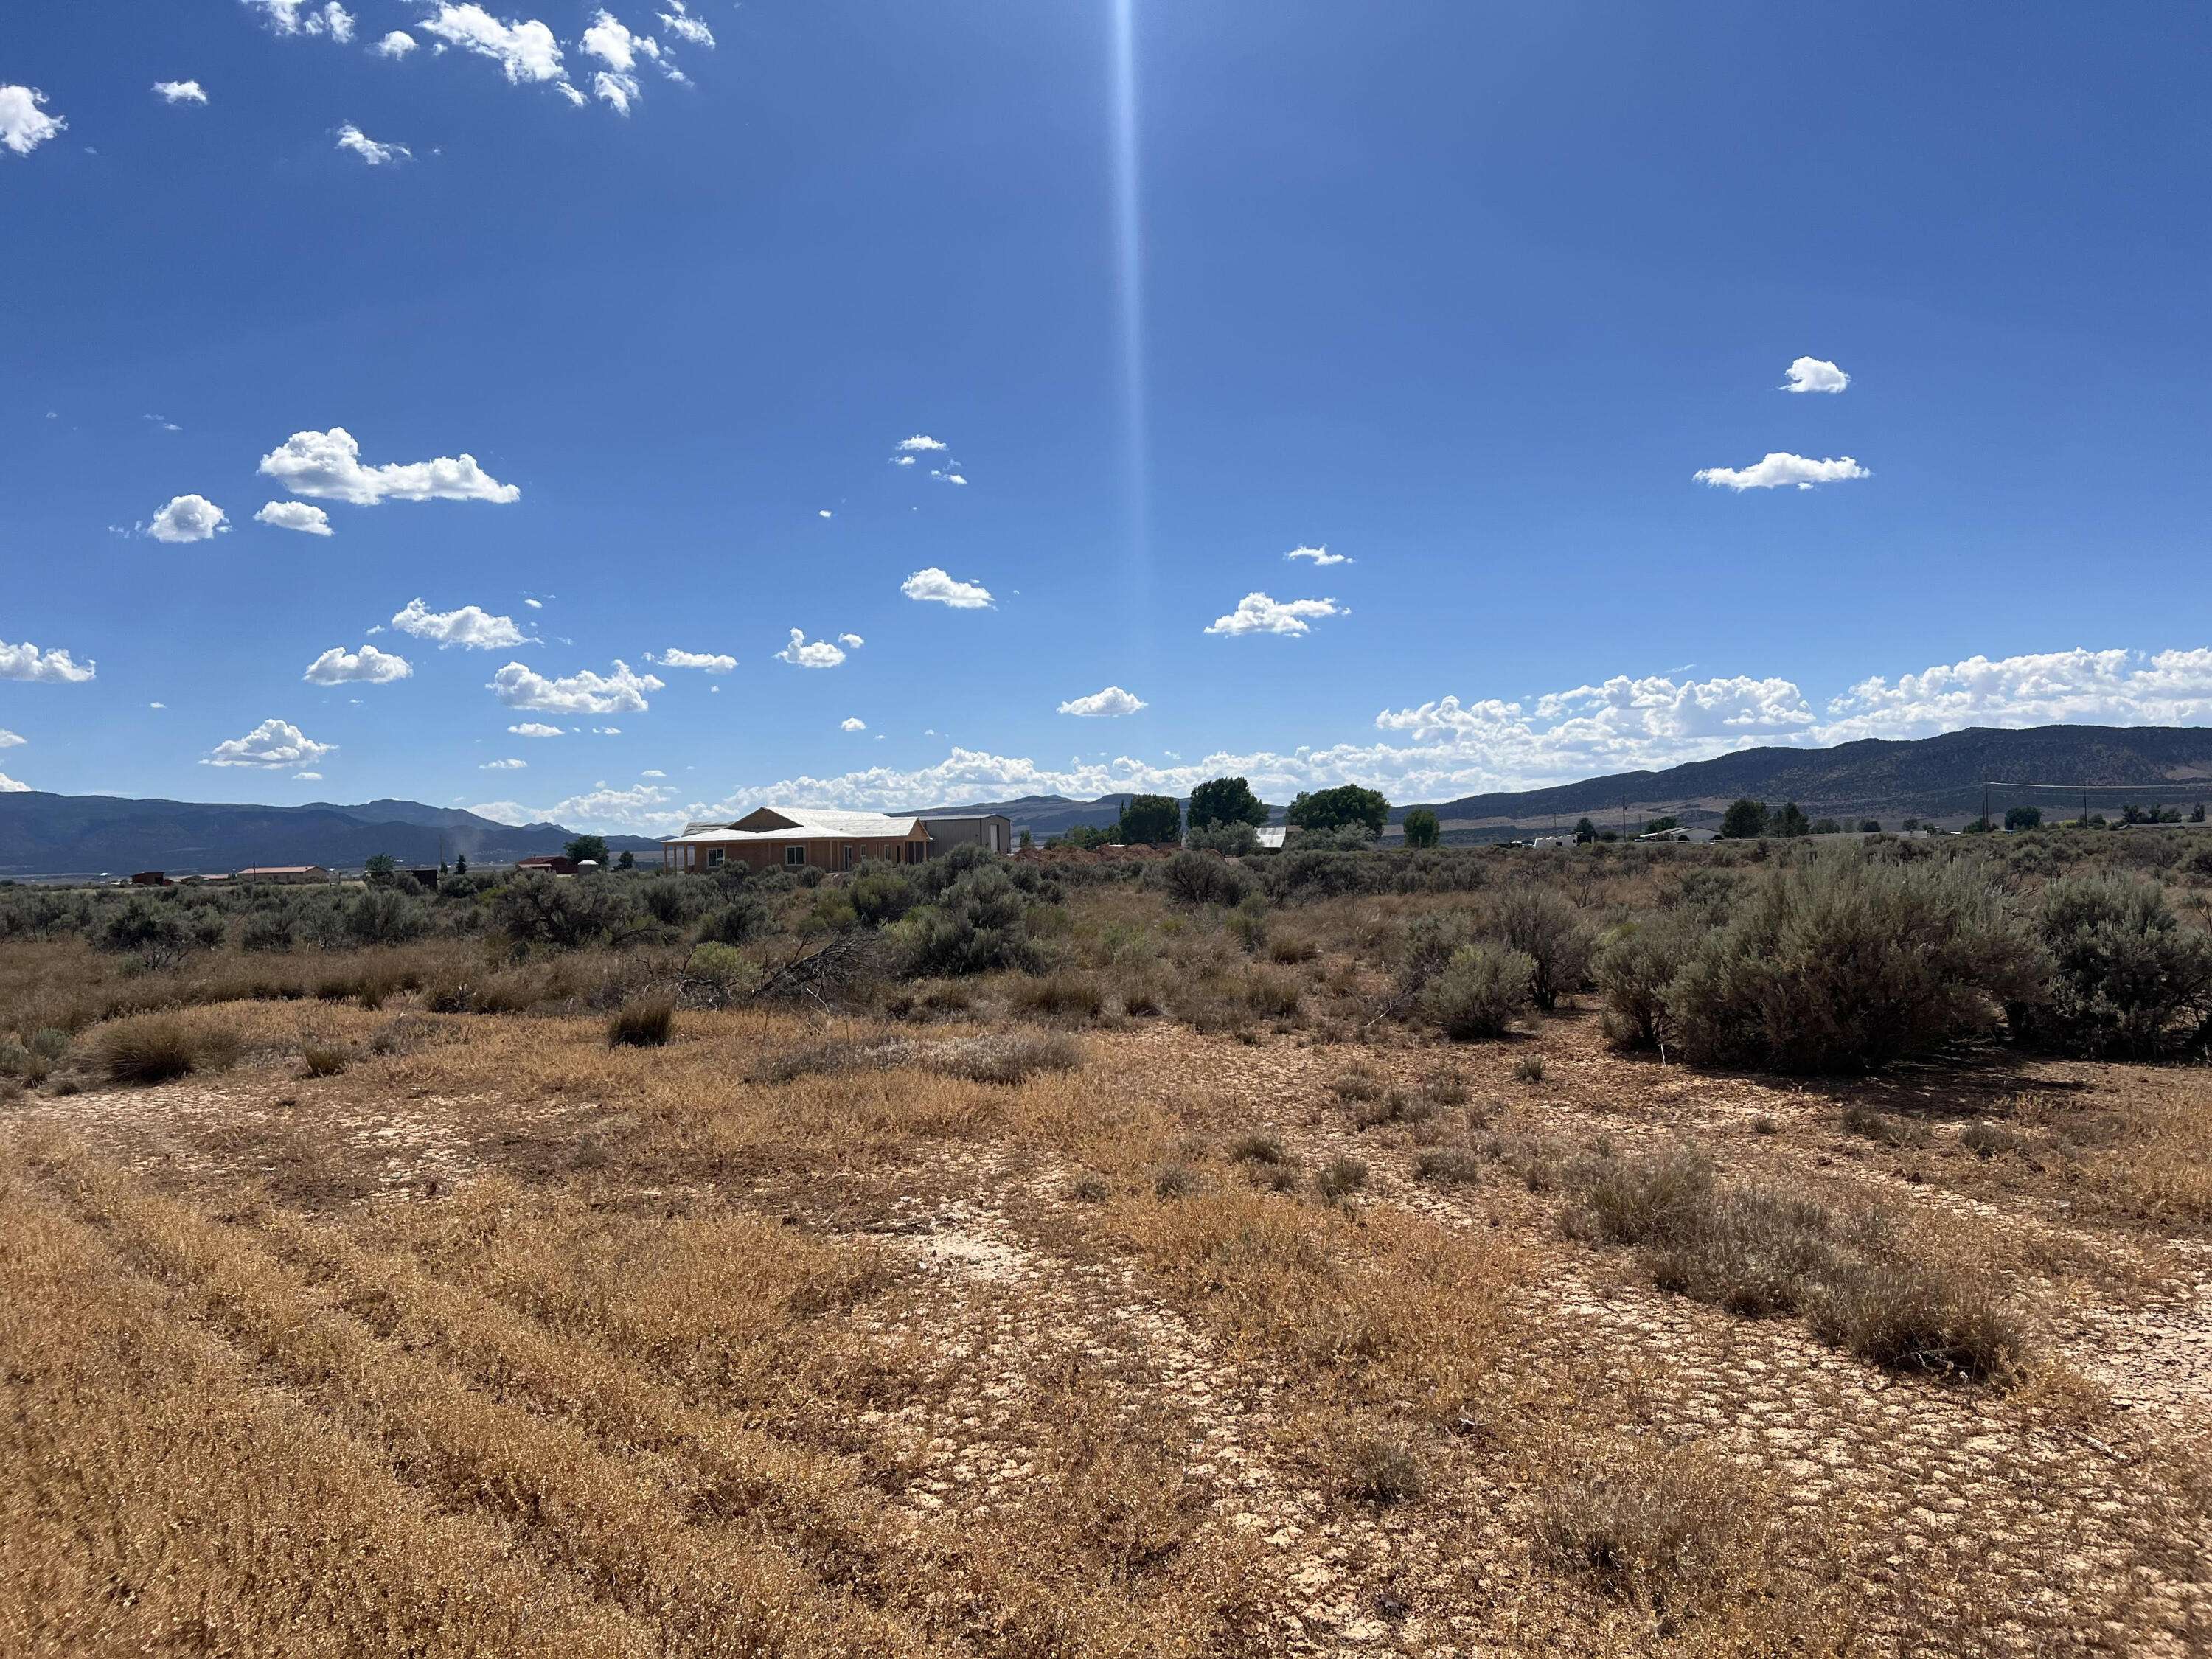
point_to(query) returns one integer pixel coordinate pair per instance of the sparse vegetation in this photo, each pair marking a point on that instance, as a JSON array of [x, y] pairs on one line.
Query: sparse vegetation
[[916, 1296]]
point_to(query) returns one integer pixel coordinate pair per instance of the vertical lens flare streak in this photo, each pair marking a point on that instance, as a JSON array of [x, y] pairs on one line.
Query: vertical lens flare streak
[[1129, 248]]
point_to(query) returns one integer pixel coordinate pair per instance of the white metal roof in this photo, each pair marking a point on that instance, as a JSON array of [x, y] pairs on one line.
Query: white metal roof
[[806, 823]]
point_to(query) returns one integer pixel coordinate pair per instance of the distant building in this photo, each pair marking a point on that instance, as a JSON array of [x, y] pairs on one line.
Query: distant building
[[810, 838], [150, 879], [283, 872], [1698, 836], [551, 864], [988, 831], [1556, 840], [1272, 836]]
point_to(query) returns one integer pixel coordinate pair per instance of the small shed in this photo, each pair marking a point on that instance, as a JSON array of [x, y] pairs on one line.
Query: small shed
[[551, 864], [283, 872]]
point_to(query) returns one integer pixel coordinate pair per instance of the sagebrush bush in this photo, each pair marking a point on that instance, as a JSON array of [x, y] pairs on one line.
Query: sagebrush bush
[[1635, 970], [1200, 879], [1480, 990], [977, 925], [562, 914], [880, 895], [746, 917], [1549, 931], [1844, 962], [2128, 976]]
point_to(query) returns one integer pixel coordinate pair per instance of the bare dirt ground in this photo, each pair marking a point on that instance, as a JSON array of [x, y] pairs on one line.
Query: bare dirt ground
[[1056, 1368]]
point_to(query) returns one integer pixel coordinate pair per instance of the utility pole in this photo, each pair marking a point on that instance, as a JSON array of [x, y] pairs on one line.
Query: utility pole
[[1985, 805]]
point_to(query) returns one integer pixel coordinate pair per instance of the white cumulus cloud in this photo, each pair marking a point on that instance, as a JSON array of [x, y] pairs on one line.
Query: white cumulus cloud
[[799, 652], [535, 729], [398, 44], [1815, 374], [920, 441], [23, 125], [524, 51], [1112, 701], [713, 662], [621, 692], [470, 626], [352, 138], [853, 723], [934, 586], [188, 518], [2102, 688], [503, 766], [1779, 469], [179, 92], [367, 666], [327, 465], [11, 740], [1256, 613], [851, 641], [296, 516], [11, 787], [304, 17], [1318, 555], [272, 744], [26, 662]]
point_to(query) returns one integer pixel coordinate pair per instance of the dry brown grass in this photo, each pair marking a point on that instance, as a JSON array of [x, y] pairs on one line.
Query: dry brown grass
[[833, 1335]]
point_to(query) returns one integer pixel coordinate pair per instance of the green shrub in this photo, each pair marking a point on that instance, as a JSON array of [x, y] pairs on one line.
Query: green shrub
[[977, 925], [145, 926], [1634, 973], [1237, 840], [270, 929], [1844, 962], [728, 972], [2129, 976], [1549, 931], [384, 916], [1480, 989], [746, 916], [880, 895], [562, 914], [1201, 878]]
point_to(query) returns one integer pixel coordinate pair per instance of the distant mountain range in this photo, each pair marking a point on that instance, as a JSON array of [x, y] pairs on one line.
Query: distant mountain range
[[46, 834], [1936, 779]]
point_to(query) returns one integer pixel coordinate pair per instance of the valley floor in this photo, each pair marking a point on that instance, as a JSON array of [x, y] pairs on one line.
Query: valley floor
[[501, 1340]]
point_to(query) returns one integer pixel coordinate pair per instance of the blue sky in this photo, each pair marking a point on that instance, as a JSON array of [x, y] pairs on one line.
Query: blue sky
[[1466, 295]]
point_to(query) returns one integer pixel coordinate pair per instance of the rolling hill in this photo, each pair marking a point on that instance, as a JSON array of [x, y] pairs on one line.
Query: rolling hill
[[1939, 779], [48, 835]]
